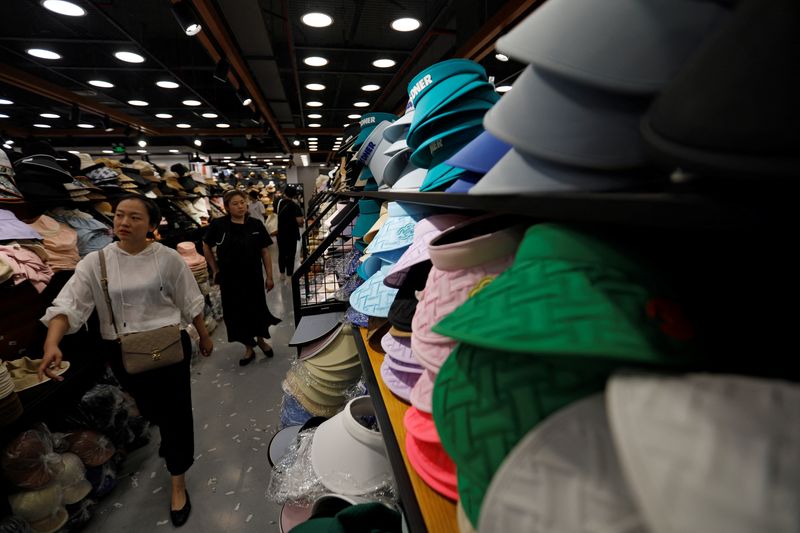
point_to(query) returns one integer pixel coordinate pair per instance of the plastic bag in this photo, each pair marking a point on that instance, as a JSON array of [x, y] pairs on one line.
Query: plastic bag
[[108, 409], [29, 461], [79, 514], [14, 524], [92, 447]]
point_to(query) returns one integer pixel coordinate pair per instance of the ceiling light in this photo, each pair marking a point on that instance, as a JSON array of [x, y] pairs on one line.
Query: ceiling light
[[41, 53], [244, 98], [102, 84], [383, 63], [231, 164], [226, 157], [108, 151], [209, 115], [313, 138], [9, 141], [197, 142], [163, 115], [142, 142], [49, 115], [64, 8], [304, 159], [315, 125], [183, 125], [354, 116], [312, 149], [141, 151], [296, 143], [346, 124], [192, 103], [4, 101], [139, 103], [165, 84], [317, 20], [107, 123], [174, 151], [315, 61], [503, 88], [314, 104], [314, 115], [186, 18], [129, 57], [371, 87], [315, 87], [361, 104], [339, 138], [501, 57], [405, 24], [85, 126], [41, 125], [223, 125]]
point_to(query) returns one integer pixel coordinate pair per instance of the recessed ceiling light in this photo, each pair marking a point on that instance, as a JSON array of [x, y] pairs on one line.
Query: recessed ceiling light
[[73, 152], [41, 125], [312, 149], [164, 84], [313, 138], [354, 116], [129, 57], [317, 20], [139, 103], [192, 103], [141, 151], [314, 104], [503, 88], [209, 115], [102, 84], [383, 63], [163, 115], [41, 53], [339, 138], [361, 104], [174, 151], [315, 125], [223, 125], [3, 115], [345, 125], [4, 101], [182, 125], [49, 115], [314, 115], [63, 7], [315, 87], [108, 151], [85, 126], [501, 57], [315, 61], [227, 157], [405, 24], [371, 87]]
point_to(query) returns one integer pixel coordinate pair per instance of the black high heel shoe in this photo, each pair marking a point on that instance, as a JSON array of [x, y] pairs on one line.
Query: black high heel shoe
[[181, 516]]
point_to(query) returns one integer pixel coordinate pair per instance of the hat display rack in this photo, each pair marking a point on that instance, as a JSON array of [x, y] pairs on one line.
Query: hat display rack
[[488, 398]]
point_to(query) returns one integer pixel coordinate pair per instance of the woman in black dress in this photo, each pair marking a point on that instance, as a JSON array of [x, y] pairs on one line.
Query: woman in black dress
[[242, 245]]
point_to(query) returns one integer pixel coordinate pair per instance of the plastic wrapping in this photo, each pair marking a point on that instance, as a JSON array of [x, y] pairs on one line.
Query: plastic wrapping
[[295, 482], [93, 448], [29, 461], [79, 515], [348, 287], [292, 413], [103, 479], [14, 524]]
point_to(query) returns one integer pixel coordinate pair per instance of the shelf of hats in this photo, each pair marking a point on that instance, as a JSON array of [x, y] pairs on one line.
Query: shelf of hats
[[72, 437], [567, 300]]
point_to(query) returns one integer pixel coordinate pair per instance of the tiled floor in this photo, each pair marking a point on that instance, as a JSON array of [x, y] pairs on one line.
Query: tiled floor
[[236, 412]]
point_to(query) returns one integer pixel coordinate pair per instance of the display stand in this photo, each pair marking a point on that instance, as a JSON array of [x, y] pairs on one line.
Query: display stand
[[425, 509]]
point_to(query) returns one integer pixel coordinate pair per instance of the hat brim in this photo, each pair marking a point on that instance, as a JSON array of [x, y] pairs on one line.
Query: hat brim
[[446, 144], [399, 128], [396, 233], [480, 154], [373, 298], [458, 112], [312, 327], [411, 178]]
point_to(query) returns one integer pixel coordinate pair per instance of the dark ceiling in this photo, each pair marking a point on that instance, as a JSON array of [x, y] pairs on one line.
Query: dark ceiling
[[264, 41]]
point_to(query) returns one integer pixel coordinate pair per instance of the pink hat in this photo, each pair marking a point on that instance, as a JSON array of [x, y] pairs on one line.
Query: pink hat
[[425, 230], [189, 254], [433, 465], [421, 395], [421, 425]]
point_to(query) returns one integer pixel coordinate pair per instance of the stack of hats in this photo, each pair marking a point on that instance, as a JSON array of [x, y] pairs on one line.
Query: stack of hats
[[43, 508], [28, 461], [60, 241], [92, 234], [72, 479], [358, 174], [399, 370], [22, 252], [327, 365], [24, 372], [195, 261], [476, 159], [9, 193], [10, 406], [583, 307], [573, 115], [41, 179], [81, 189]]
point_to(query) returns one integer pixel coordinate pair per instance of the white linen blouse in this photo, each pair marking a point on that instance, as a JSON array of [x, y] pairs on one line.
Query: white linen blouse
[[148, 290]]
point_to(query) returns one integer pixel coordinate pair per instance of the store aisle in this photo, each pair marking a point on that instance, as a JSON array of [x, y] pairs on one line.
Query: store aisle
[[236, 412]]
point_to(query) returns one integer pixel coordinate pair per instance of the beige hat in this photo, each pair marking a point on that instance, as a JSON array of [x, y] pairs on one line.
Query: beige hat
[[86, 160], [378, 223], [24, 372], [36, 505], [312, 392], [73, 481], [52, 523]]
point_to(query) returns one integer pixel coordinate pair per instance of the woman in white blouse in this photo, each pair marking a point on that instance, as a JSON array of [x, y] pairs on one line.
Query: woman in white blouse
[[150, 287]]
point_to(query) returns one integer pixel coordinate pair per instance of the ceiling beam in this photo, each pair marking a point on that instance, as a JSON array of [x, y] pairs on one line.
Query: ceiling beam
[[482, 43], [212, 22], [33, 84]]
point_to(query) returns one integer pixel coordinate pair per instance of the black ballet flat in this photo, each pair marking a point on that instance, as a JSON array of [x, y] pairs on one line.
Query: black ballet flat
[[247, 360], [267, 353], [181, 516]]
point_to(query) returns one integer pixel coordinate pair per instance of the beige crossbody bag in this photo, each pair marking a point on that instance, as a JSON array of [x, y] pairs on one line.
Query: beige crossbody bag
[[144, 350]]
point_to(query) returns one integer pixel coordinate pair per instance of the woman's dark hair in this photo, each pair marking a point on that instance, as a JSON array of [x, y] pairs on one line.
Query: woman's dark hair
[[228, 196], [153, 212], [290, 192], [253, 195]]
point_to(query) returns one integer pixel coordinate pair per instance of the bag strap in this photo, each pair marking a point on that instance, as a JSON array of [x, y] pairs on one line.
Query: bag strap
[[104, 285]]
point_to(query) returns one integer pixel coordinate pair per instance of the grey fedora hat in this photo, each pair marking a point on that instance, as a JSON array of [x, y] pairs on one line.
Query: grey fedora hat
[[630, 45], [559, 120]]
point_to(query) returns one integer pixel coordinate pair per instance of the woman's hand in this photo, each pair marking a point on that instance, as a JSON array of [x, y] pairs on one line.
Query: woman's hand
[[206, 345], [269, 284], [51, 359]]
